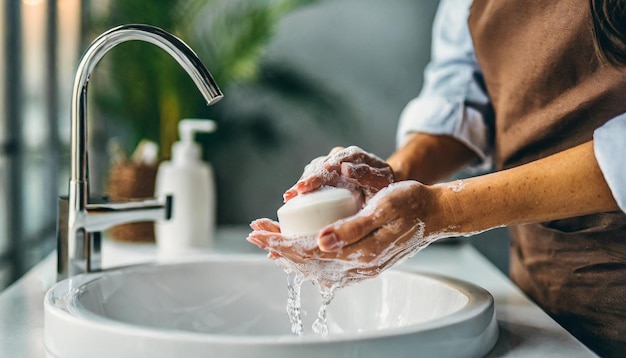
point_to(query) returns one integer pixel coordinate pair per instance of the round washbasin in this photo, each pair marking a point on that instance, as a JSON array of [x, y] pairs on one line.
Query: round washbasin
[[235, 307]]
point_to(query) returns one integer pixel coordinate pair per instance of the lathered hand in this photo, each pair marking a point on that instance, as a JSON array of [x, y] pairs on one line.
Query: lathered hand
[[350, 168], [399, 220]]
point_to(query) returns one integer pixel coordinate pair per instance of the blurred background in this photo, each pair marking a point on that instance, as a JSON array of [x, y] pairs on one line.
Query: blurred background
[[299, 77]]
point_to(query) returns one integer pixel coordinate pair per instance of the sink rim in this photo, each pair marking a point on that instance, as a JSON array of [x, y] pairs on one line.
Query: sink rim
[[479, 301]]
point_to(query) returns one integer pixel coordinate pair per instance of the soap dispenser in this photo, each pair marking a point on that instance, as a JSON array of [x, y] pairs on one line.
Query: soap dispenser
[[191, 183]]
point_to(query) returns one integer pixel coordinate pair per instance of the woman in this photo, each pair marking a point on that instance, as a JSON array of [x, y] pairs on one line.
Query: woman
[[537, 90]]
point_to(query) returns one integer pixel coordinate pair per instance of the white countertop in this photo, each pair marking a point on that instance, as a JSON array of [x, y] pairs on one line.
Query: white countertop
[[525, 330]]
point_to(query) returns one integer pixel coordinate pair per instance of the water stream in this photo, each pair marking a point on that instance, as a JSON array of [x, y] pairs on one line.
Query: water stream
[[294, 305], [320, 326]]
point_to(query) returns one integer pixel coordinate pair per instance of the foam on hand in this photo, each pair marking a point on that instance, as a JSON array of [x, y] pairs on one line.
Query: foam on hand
[[307, 214], [301, 219]]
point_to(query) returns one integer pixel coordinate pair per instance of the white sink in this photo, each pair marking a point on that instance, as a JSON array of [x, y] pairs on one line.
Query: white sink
[[235, 307]]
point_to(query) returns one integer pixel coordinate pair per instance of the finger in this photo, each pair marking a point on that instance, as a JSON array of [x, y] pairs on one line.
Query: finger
[[356, 155], [310, 170], [296, 249], [268, 239], [351, 230], [314, 182], [329, 172], [290, 194], [265, 225], [368, 176], [259, 238], [387, 245], [309, 184]]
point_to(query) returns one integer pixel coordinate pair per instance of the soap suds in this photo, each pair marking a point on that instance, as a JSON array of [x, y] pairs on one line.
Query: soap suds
[[330, 273], [457, 186]]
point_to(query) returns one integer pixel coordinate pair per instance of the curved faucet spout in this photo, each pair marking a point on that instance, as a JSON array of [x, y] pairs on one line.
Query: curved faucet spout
[[185, 56], [78, 231]]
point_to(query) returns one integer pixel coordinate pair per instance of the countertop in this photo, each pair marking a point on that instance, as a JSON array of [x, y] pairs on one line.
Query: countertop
[[525, 330]]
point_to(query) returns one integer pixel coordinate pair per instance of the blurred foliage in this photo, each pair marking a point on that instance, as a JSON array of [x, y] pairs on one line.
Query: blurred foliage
[[147, 93]]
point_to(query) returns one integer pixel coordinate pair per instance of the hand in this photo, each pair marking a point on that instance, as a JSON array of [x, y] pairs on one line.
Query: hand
[[299, 254], [398, 221], [350, 168]]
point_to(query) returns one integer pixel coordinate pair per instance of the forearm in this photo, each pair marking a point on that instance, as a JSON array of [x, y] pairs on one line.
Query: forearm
[[429, 158], [563, 185]]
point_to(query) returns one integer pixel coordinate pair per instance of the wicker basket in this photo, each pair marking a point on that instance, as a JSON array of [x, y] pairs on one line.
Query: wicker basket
[[130, 180]]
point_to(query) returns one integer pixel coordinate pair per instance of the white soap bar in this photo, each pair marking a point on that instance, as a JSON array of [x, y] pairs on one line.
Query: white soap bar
[[306, 214]]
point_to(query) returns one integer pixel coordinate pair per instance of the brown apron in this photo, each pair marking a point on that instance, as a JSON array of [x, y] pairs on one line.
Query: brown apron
[[549, 93]]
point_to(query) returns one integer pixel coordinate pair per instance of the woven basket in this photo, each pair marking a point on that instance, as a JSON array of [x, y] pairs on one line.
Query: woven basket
[[130, 180]]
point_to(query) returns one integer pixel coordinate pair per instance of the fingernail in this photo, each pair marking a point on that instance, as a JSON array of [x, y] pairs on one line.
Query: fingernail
[[328, 242], [289, 194]]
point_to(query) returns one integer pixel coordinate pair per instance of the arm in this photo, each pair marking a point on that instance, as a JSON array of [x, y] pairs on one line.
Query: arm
[[429, 158], [566, 184], [583, 180], [453, 102], [407, 216]]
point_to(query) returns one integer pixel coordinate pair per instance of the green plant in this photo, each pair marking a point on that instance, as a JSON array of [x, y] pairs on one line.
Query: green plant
[[147, 93], [143, 93]]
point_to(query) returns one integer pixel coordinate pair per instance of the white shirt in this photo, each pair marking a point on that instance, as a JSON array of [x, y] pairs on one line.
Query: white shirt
[[446, 104]]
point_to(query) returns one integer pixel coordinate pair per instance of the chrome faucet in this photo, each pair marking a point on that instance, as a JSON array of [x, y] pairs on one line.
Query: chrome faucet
[[80, 222]]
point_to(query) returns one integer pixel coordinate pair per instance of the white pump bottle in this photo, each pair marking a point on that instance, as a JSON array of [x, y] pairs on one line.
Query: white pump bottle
[[191, 183]]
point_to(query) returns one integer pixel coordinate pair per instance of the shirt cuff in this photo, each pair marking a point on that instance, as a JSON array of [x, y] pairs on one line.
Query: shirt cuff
[[439, 116], [609, 145]]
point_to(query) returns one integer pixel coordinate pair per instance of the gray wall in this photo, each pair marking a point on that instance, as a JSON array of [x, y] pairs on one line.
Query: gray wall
[[372, 54]]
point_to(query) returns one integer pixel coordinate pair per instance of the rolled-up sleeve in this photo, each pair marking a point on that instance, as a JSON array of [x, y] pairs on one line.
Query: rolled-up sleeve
[[453, 100], [609, 144]]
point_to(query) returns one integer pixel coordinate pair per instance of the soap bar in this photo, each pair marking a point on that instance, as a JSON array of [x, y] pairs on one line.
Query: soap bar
[[307, 214]]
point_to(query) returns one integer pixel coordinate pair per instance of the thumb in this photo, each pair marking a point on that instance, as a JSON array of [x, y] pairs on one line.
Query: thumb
[[349, 231]]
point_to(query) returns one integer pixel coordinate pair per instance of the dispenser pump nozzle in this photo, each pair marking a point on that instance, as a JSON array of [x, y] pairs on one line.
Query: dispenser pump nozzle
[[186, 149]]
